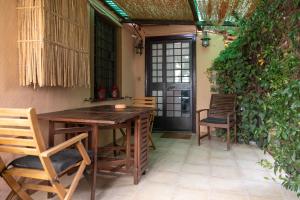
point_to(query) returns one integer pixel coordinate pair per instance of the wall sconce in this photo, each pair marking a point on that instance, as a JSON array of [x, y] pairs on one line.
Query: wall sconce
[[205, 39], [139, 47]]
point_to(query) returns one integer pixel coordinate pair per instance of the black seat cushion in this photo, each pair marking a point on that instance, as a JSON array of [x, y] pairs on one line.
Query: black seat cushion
[[214, 120], [60, 161]]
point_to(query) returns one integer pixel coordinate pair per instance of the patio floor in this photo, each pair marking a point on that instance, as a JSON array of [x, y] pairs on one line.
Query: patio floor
[[181, 170]]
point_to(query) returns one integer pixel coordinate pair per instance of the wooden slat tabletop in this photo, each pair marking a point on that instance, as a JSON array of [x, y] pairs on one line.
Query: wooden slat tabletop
[[102, 115]]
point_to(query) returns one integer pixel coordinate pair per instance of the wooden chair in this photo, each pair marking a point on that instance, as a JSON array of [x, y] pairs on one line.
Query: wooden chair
[[221, 114], [20, 134], [149, 102]]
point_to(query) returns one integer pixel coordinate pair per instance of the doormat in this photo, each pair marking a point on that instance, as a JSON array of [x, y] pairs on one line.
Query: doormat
[[173, 135]]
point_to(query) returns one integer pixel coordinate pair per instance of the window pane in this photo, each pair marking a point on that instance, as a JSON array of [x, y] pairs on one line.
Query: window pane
[[170, 59], [170, 113], [169, 45], [159, 52], [154, 53], [185, 58], [177, 45], [170, 106], [177, 58], [177, 52], [185, 72], [177, 79], [185, 65], [154, 59], [177, 65], [186, 79], [159, 66], [159, 59], [185, 45], [169, 52], [169, 65], [170, 73], [185, 51], [170, 80]]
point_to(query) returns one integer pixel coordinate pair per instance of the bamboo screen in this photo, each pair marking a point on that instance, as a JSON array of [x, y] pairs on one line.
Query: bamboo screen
[[53, 43]]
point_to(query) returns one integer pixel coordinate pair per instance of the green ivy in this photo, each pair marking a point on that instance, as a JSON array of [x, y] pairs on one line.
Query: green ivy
[[262, 67]]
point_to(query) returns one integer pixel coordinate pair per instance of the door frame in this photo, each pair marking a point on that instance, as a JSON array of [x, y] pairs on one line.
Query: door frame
[[148, 41]]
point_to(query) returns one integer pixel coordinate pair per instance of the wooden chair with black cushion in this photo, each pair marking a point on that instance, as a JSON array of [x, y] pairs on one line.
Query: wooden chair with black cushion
[[20, 134], [221, 114], [149, 102]]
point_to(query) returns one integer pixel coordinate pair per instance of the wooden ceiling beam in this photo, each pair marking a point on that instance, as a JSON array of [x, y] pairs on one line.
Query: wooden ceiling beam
[[159, 22]]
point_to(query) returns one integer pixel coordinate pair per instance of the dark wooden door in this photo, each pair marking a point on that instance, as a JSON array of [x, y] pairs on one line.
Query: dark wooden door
[[170, 77]]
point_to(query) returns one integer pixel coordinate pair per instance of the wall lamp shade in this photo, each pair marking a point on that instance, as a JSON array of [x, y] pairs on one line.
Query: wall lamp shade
[[139, 48], [205, 39]]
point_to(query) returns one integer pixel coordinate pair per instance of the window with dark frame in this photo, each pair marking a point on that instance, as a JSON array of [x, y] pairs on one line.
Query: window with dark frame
[[105, 69]]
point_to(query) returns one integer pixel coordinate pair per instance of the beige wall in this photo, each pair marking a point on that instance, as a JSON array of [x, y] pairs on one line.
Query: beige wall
[[46, 99]]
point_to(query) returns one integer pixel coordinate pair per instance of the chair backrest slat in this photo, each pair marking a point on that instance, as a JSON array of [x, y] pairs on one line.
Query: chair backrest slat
[[18, 134], [149, 102], [221, 104], [14, 122]]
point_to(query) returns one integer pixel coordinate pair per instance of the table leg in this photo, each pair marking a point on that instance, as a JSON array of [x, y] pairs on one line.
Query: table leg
[[136, 151], [95, 160], [128, 144]]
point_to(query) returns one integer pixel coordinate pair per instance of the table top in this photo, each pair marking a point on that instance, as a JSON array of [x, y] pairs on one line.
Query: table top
[[102, 115]]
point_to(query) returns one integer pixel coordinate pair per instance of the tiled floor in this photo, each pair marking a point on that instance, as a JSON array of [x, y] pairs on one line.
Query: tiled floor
[[181, 170]]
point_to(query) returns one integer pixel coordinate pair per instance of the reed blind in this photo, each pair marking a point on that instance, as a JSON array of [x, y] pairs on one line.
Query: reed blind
[[53, 43]]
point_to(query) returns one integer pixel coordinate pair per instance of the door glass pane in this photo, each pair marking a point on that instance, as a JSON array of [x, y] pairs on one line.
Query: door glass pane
[[185, 45], [170, 59], [177, 45], [170, 80], [185, 58], [185, 72], [169, 52], [185, 79], [177, 58], [185, 65], [177, 51], [159, 59], [169, 45], [169, 65], [159, 52], [185, 51]]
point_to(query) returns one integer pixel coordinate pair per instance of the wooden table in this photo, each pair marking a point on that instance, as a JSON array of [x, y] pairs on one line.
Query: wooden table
[[103, 116]]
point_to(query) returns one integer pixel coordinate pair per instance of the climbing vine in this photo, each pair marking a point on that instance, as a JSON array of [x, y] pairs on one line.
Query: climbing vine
[[262, 66]]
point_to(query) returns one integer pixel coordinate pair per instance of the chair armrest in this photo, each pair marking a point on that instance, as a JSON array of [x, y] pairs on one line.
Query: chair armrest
[[230, 114], [201, 110], [64, 145]]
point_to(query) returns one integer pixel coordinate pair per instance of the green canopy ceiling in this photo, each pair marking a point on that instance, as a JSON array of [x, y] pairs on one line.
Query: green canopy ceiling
[[197, 12]]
